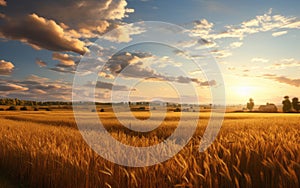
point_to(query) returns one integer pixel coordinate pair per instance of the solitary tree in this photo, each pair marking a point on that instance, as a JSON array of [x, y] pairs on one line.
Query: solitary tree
[[296, 104], [287, 105], [250, 104]]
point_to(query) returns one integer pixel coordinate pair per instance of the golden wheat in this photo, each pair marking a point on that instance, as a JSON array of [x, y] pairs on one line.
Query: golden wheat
[[252, 150]]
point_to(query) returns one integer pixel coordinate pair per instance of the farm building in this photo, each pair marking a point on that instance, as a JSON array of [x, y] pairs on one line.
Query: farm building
[[269, 107]]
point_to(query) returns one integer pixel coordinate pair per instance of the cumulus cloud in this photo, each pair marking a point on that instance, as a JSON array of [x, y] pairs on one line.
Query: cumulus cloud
[[133, 65], [122, 60], [65, 60], [202, 28], [124, 33], [40, 33], [6, 67], [85, 17], [59, 25], [279, 33]]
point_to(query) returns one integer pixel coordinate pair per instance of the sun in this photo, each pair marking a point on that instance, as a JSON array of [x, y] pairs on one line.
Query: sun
[[244, 91]]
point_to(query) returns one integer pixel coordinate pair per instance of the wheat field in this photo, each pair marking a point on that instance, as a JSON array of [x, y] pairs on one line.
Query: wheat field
[[45, 149]]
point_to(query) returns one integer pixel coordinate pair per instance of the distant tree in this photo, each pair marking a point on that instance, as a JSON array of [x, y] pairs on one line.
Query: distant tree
[[250, 104], [296, 104], [24, 108], [11, 108], [177, 110], [287, 105], [2, 102], [21, 102]]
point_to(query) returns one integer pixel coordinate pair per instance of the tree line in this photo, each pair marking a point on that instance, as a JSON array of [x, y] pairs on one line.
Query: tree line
[[287, 105], [18, 102]]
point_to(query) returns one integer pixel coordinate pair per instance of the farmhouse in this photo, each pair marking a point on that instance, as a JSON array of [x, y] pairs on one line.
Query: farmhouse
[[269, 107]]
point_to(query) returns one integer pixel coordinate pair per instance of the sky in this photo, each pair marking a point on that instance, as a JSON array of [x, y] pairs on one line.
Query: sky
[[254, 43]]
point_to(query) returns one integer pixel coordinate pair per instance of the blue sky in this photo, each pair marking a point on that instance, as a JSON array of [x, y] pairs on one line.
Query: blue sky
[[255, 43]]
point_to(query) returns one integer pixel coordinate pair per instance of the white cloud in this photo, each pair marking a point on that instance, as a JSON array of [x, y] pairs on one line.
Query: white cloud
[[202, 28], [279, 33], [285, 63], [6, 67], [221, 53], [259, 59], [251, 23], [236, 44], [124, 33], [261, 23]]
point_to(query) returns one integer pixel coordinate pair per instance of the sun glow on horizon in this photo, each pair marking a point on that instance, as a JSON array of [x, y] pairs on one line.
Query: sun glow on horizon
[[242, 93]]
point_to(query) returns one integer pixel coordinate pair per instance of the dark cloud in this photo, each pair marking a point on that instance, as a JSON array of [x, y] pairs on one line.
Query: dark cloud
[[65, 60], [107, 86], [283, 79], [139, 71], [3, 3], [110, 86], [182, 79], [70, 70], [208, 83], [36, 88], [121, 60], [130, 65], [1, 17], [86, 17], [40, 33], [7, 87]]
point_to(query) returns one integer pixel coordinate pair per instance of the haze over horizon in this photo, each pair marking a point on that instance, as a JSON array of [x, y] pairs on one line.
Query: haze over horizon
[[254, 43]]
